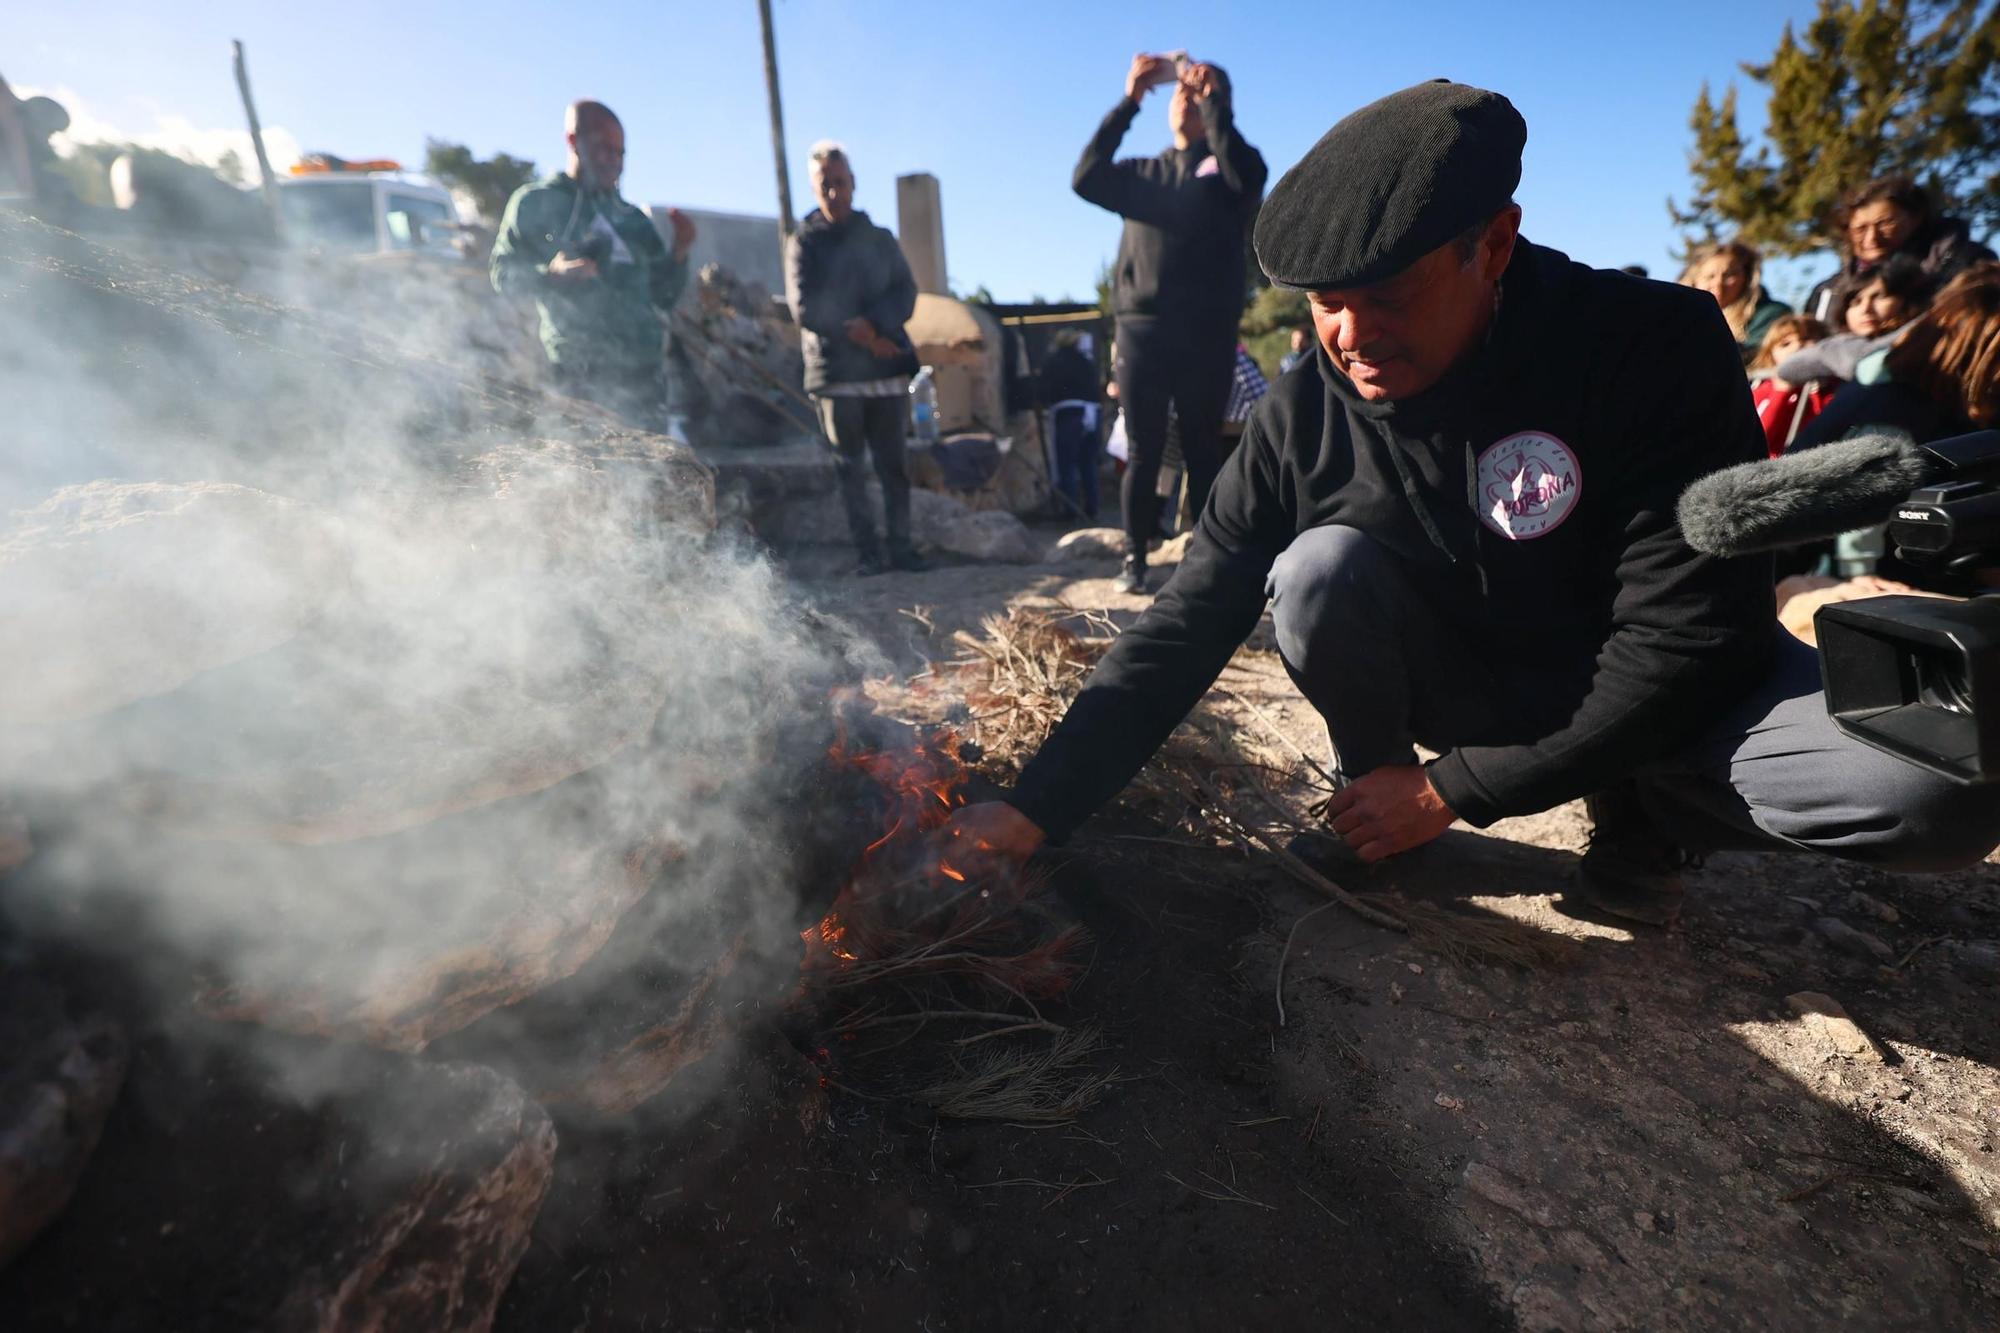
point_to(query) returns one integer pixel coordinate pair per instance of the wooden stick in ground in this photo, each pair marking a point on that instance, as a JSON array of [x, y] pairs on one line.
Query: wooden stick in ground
[[267, 181]]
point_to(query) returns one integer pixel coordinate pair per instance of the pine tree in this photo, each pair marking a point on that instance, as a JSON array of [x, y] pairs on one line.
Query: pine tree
[[489, 183], [1871, 88]]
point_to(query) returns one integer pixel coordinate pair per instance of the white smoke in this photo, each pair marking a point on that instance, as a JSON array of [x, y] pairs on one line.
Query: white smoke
[[355, 694], [168, 132]]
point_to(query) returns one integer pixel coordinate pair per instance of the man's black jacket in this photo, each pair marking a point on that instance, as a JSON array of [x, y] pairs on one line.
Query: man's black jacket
[[1068, 376], [1186, 214], [1539, 478], [836, 271]]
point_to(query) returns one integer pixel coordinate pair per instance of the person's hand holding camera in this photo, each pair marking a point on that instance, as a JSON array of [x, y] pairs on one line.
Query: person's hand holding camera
[[1201, 80], [1147, 73]]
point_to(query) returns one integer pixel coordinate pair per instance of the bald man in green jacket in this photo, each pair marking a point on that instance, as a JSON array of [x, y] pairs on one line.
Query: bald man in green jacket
[[597, 270]]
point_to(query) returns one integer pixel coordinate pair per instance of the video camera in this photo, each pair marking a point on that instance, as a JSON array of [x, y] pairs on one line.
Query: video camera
[[1919, 677]]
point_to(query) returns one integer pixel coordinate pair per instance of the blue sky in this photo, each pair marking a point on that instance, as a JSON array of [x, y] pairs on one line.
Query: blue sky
[[996, 98]]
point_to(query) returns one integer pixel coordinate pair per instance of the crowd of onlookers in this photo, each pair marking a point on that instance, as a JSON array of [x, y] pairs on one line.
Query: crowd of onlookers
[[1905, 336]]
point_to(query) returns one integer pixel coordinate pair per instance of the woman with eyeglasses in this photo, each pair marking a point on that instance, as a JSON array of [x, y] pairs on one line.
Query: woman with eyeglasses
[[1892, 215]]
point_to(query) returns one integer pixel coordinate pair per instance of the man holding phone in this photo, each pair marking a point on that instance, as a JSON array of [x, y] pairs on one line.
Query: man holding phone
[[597, 269], [1180, 279]]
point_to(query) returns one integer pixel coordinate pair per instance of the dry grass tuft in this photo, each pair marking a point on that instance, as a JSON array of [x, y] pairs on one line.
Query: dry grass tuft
[[1205, 783], [1021, 674], [1028, 1086]]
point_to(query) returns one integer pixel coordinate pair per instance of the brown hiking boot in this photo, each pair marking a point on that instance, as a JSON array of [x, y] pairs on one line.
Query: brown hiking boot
[[1631, 870]]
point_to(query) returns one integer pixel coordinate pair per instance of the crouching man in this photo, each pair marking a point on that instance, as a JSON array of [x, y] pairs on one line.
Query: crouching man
[[1464, 522]]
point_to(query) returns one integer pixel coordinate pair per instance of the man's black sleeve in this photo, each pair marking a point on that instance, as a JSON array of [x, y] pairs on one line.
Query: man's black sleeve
[[1122, 186], [1240, 166], [807, 296], [1156, 671], [1691, 634], [891, 310]]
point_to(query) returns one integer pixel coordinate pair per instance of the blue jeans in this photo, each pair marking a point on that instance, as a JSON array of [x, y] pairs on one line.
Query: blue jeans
[[1371, 644], [1076, 459]]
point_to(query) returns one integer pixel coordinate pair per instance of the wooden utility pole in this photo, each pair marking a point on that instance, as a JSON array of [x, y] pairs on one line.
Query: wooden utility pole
[[268, 181], [777, 123]]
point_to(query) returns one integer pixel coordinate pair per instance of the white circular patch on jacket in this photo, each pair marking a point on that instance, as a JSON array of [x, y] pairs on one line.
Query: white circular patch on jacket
[[1528, 484]]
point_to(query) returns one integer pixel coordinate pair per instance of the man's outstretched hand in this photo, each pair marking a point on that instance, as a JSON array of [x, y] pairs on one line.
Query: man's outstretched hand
[[1390, 810], [987, 838]]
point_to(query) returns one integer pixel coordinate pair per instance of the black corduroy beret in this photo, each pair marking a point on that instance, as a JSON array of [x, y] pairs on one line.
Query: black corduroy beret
[[1389, 184]]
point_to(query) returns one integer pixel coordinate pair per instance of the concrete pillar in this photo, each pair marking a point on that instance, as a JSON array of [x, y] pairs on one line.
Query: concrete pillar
[[920, 227]]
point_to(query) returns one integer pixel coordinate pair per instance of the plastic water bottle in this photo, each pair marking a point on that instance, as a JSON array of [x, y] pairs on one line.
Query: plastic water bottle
[[923, 407]]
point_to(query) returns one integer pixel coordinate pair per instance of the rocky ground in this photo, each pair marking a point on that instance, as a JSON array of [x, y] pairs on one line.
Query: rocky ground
[[1784, 1111], [465, 1012]]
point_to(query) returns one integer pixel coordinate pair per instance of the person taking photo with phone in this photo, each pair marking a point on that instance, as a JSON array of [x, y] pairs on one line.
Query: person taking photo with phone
[[1179, 282]]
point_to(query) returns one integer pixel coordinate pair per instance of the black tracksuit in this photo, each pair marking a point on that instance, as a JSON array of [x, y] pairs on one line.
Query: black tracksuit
[[1604, 396], [1177, 290]]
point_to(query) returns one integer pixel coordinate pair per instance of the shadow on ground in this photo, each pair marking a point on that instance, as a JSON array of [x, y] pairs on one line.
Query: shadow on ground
[[1651, 1136]]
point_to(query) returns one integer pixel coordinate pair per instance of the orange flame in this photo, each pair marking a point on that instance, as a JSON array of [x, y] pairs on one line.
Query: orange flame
[[924, 784]]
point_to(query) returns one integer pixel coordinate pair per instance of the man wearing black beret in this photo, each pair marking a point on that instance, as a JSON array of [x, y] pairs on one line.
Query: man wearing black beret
[[1178, 286], [1462, 512]]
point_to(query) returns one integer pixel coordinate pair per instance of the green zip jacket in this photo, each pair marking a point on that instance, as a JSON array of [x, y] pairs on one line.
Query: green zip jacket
[[608, 322]]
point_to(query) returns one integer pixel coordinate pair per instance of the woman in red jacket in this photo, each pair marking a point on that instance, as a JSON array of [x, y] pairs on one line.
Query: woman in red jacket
[[1784, 409]]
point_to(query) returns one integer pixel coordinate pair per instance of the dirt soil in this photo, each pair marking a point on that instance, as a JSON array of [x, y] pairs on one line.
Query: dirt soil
[[1646, 1136]]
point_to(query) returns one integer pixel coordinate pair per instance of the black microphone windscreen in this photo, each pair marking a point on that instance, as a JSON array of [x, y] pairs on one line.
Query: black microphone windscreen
[[1805, 496]]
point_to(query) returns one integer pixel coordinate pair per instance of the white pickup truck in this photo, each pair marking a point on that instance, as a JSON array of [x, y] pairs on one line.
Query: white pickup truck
[[337, 207]]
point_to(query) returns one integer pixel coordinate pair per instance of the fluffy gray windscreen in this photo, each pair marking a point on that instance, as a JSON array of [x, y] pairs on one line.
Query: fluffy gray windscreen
[[1807, 495]]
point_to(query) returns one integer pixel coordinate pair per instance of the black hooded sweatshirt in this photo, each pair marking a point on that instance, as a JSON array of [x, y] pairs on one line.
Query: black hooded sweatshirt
[[1538, 479], [1187, 211]]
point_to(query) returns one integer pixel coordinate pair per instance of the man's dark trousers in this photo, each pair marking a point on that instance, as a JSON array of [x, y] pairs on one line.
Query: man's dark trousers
[[858, 429], [1189, 364], [1076, 458], [1370, 641]]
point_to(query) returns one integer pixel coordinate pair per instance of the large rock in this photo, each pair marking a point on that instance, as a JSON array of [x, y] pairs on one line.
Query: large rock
[[630, 1025], [437, 1252], [737, 372], [296, 1188], [59, 1075], [989, 535], [317, 743], [475, 645], [396, 941], [129, 590], [1087, 544], [937, 521]]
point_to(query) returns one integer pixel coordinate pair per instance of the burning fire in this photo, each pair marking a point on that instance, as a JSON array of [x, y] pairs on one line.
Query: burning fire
[[923, 785]]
